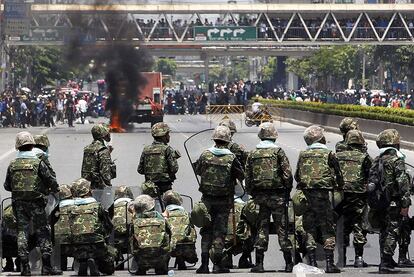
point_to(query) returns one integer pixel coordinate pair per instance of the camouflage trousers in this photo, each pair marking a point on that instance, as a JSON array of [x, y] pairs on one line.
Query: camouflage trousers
[[103, 255], [213, 236], [404, 239], [152, 258], [353, 207], [27, 213], [318, 220], [299, 239], [187, 251], [271, 206], [390, 224]]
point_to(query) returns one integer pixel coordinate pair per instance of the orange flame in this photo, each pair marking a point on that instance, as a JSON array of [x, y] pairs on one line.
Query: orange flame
[[115, 126]]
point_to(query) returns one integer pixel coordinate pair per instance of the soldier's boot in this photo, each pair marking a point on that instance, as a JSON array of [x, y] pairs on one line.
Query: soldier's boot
[[140, 271], [63, 263], [203, 269], [330, 266], [245, 260], [180, 263], [220, 267], [403, 261], [312, 258], [258, 268], [162, 270], [83, 268], [18, 264], [359, 260], [228, 260], [386, 265], [9, 265], [344, 256], [25, 266], [93, 269], [47, 268], [287, 255], [298, 257]]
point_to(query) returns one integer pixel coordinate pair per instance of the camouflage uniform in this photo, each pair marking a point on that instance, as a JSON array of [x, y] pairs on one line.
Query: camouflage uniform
[[397, 186], [97, 165], [355, 164], [235, 148], [219, 169], [318, 173], [269, 181], [158, 161], [29, 180], [42, 150], [347, 124], [183, 233], [90, 227], [151, 237]]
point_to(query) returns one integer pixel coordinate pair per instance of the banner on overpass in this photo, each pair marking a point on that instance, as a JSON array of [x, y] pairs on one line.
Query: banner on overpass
[[234, 33], [17, 18]]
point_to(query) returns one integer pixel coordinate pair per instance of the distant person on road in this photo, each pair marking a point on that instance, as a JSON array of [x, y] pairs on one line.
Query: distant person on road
[[83, 108], [256, 106], [70, 110]]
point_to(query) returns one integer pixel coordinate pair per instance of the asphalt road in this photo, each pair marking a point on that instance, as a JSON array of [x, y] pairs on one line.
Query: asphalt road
[[67, 149]]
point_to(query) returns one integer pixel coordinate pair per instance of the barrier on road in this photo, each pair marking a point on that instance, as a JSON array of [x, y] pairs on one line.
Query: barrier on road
[[219, 112]]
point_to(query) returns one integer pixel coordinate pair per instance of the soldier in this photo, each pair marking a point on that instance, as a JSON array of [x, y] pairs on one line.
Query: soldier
[[42, 150], [97, 165], [183, 233], [122, 219], [404, 241], [90, 228], [219, 169], [318, 173], [9, 239], [269, 181], [388, 175], [236, 149], [159, 160], [347, 124], [30, 180], [355, 164], [151, 237]]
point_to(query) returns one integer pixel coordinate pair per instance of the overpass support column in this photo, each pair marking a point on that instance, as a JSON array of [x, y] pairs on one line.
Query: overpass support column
[[293, 80], [3, 61], [206, 70]]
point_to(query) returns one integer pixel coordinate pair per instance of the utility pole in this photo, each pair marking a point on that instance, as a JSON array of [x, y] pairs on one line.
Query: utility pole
[[363, 69], [2, 52]]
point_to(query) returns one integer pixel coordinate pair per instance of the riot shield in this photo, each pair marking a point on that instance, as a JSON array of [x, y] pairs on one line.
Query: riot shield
[[105, 196]]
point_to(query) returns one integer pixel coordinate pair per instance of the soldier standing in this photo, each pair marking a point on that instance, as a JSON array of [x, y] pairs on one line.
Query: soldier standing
[[347, 124], [219, 169], [29, 179], [42, 150], [269, 182], [159, 160], [318, 173], [389, 173], [355, 164], [235, 148], [97, 166]]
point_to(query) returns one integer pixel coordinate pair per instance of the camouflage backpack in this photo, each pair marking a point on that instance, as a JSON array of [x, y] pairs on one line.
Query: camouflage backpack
[[232, 224], [25, 179], [351, 163], [63, 232], [265, 169], [215, 176], [90, 163], [182, 230], [9, 223], [86, 227], [156, 166], [314, 169], [122, 218], [150, 233]]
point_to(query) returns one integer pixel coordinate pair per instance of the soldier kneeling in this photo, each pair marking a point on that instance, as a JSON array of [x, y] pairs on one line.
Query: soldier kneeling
[[151, 237]]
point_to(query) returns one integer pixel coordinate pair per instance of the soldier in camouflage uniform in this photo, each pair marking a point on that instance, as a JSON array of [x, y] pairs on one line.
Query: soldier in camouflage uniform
[[122, 219], [404, 241], [235, 148], [90, 228], [151, 237], [269, 181], [395, 180], [347, 124], [184, 235], [42, 150], [29, 180], [97, 166], [318, 173], [219, 169], [159, 160], [355, 164]]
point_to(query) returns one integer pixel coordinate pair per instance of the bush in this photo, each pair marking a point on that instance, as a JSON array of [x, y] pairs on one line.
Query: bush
[[402, 116]]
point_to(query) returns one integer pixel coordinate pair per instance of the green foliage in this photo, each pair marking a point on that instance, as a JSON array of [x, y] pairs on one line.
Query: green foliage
[[270, 69], [166, 66], [402, 116]]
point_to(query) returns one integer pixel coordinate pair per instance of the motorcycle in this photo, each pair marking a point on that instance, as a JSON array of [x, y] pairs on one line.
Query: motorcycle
[[257, 118]]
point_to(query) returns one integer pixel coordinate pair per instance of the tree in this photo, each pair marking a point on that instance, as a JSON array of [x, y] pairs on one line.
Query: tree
[[270, 69], [166, 66]]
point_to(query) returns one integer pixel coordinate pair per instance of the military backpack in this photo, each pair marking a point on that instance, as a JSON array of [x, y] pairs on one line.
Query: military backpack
[[265, 169], [122, 218], [62, 228], [150, 234], [379, 195], [90, 164], [155, 163], [182, 231], [351, 163], [26, 183], [86, 227], [314, 170]]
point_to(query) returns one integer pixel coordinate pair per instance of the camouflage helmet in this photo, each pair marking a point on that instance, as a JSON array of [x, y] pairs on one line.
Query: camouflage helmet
[[65, 192], [388, 137], [100, 131], [229, 124], [347, 124], [300, 203], [42, 140], [160, 129], [250, 212], [200, 216], [313, 134], [123, 192], [172, 197], [149, 188], [144, 203], [24, 138], [80, 187], [355, 137], [222, 133], [268, 131]]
